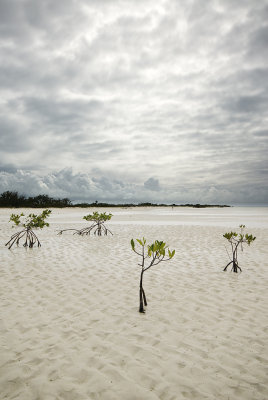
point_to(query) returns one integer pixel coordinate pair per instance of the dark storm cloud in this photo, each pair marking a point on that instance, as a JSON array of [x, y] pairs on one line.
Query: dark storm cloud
[[262, 134], [152, 184], [258, 41], [126, 91], [247, 104], [66, 113], [12, 139], [7, 168], [21, 19]]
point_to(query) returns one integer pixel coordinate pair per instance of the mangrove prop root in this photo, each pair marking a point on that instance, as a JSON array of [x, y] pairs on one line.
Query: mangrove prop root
[[64, 230], [144, 297], [234, 262], [97, 229], [235, 266], [30, 239], [143, 301]]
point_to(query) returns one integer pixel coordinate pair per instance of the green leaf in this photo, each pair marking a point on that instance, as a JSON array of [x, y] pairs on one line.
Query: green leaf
[[98, 217]]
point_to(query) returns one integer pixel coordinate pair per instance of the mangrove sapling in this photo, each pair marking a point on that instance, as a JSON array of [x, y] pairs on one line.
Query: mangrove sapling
[[237, 240], [97, 227], [30, 222], [150, 255]]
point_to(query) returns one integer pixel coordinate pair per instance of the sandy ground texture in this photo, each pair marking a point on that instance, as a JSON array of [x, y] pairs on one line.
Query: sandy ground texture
[[70, 327]]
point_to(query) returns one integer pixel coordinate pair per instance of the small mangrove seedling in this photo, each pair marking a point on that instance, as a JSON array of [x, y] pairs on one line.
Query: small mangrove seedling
[[237, 240], [30, 222], [97, 227], [151, 254]]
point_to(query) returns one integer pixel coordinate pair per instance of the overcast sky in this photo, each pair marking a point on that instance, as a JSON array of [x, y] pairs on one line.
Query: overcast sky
[[135, 100]]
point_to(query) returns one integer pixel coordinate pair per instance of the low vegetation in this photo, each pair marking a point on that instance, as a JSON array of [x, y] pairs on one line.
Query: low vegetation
[[151, 255], [32, 221], [97, 227], [13, 199], [236, 241]]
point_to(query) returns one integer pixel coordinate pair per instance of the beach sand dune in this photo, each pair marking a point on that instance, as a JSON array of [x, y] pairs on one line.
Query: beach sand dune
[[70, 327]]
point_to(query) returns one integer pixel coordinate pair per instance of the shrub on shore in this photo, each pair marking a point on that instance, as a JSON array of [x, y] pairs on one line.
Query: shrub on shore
[[97, 227], [151, 255], [29, 223], [236, 241]]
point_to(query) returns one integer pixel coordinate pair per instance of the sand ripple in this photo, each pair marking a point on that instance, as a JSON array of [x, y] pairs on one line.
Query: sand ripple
[[70, 329]]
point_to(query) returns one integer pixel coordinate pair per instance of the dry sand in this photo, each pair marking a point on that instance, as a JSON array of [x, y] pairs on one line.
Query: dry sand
[[70, 327]]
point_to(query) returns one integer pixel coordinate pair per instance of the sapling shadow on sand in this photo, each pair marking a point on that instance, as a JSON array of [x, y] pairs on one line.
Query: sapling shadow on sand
[[151, 255], [32, 221], [97, 227], [237, 240]]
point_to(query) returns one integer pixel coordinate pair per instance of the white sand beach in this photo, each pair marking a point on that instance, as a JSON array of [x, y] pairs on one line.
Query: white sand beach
[[70, 327]]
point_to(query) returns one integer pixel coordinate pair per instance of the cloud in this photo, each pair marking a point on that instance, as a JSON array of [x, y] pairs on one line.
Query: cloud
[[152, 184], [81, 187], [135, 90]]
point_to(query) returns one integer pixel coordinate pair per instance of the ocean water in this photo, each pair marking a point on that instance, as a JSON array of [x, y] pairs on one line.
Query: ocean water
[[229, 217]]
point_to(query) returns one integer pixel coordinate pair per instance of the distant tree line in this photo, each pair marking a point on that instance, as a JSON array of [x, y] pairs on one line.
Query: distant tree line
[[147, 204], [14, 199]]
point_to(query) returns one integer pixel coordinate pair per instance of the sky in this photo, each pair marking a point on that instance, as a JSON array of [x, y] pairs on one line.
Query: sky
[[135, 100]]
